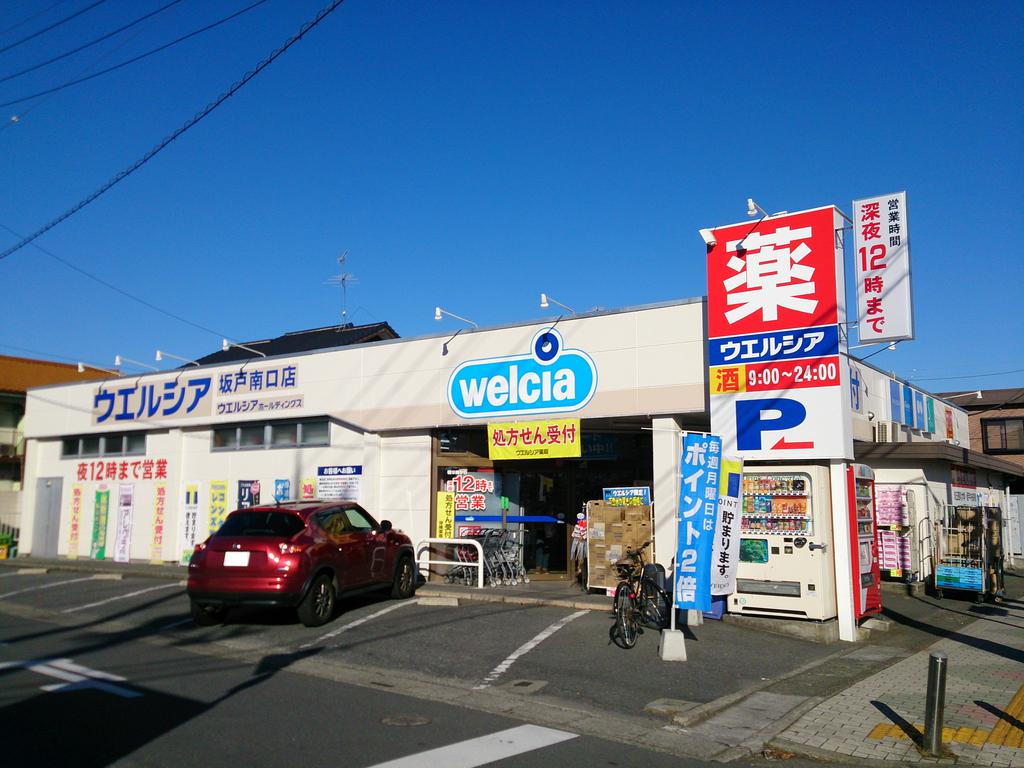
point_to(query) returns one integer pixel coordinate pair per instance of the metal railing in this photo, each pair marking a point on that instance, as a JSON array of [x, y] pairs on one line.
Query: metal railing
[[428, 544]]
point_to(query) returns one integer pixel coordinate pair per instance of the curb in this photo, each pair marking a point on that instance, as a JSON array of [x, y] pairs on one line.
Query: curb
[[514, 599], [96, 567], [825, 756]]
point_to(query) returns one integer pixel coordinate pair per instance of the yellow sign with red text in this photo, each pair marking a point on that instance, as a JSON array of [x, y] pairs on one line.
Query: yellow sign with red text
[[548, 439]]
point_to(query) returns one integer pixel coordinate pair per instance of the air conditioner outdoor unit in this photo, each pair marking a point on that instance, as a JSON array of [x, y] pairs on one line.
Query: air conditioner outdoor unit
[[888, 432]]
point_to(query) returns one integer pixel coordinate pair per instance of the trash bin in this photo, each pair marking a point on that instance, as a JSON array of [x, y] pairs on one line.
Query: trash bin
[[6, 544]]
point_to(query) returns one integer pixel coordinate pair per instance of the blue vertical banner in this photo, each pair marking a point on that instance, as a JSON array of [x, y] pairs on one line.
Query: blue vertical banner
[[895, 401], [908, 406], [699, 469]]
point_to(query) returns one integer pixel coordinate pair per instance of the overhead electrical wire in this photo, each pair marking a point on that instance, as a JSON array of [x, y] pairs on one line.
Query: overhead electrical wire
[[968, 376], [91, 43], [22, 114], [111, 286], [320, 16], [134, 59], [55, 24], [33, 17]]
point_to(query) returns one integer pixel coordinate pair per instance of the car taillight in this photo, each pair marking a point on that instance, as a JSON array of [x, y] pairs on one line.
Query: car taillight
[[291, 549], [200, 547]]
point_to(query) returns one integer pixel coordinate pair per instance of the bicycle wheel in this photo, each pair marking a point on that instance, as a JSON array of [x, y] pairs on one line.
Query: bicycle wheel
[[626, 620], [654, 608]]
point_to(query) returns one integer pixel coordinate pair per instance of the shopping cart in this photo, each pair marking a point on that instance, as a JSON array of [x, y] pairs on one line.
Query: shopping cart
[[502, 559]]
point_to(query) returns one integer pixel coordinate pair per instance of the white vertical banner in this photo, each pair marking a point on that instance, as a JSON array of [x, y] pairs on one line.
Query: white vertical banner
[[189, 521], [881, 240], [725, 552], [125, 508]]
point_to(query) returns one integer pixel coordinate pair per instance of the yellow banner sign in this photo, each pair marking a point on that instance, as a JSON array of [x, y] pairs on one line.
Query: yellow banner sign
[[445, 528], [549, 439]]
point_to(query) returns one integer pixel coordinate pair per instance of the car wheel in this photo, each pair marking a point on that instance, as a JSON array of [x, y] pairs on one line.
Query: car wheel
[[405, 579], [207, 615], [317, 607]]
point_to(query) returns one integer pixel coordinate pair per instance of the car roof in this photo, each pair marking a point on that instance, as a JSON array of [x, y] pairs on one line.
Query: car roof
[[303, 508]]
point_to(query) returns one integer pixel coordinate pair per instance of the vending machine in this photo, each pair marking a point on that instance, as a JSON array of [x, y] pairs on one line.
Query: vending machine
[[867, 581], [786, 565]]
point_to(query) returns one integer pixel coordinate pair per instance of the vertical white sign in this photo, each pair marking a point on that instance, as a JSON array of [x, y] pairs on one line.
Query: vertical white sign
[[725, 553], [125, 507], [881, 240]]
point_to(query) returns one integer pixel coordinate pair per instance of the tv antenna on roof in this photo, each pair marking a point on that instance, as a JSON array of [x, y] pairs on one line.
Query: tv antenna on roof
[[344, 279]]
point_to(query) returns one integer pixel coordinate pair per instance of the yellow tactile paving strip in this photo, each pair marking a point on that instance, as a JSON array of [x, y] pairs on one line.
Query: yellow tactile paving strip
[[1005, 733]]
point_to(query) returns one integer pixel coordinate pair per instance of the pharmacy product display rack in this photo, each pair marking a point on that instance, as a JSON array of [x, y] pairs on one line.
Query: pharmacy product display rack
[[894, 512]]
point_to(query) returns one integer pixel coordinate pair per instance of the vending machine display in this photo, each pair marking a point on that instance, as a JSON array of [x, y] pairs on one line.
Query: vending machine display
[[785, 567], [867, 582], [776, 503]]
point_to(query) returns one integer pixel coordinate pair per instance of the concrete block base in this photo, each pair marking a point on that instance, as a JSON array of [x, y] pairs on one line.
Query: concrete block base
[[815, 631], [672, 646]]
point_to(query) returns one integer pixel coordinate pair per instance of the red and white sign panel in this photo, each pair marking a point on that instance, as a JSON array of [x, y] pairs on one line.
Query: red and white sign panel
[[881, 241], [775, 299], [774, 274]]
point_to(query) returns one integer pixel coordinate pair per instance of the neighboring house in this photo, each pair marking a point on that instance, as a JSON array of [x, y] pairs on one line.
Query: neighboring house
[[16, 375], [996, 421]]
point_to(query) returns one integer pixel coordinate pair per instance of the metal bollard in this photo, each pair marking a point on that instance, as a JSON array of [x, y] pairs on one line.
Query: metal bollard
[[935, 702]]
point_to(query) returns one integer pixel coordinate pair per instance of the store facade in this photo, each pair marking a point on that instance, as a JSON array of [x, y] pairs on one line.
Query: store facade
[[141, 468]]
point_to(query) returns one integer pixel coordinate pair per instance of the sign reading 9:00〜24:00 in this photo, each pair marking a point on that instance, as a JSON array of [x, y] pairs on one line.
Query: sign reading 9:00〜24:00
[[776, 375]]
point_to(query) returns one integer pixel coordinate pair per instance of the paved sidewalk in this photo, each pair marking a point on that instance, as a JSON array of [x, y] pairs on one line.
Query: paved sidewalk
[[880, 718]]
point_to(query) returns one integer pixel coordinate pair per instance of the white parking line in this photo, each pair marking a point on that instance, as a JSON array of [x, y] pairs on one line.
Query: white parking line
[[484, 750], [118, 597], [45, 586], [358, 622], [525, 648]]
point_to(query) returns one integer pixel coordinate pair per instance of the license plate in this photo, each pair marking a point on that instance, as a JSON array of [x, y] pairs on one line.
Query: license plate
[[238, 559]]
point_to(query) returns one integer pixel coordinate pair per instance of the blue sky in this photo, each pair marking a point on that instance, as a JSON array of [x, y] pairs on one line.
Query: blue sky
[[474, 154]]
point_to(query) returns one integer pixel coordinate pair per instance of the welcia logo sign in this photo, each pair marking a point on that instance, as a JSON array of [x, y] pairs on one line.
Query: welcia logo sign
[[550, 379]]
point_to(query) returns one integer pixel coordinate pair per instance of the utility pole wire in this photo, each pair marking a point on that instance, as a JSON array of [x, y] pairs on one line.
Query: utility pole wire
[[91, 43], [55, 24], [134, 59], [33, 17], [323, 13], [111, 286]]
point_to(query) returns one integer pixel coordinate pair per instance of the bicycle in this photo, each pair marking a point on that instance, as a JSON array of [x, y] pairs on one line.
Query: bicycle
[[639, 598]]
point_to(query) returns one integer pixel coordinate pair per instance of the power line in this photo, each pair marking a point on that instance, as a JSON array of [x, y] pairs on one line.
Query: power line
[[116, 289], [55, 24], [968, 376], [134, 59], [91, 43], [321, 15], [20, 117], [33, 17]]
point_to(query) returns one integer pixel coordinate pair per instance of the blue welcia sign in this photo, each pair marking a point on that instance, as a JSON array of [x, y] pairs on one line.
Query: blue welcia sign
[[550, 379]]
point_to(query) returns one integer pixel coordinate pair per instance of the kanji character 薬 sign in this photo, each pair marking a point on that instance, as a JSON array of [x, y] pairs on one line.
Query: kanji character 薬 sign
[[775, 302]]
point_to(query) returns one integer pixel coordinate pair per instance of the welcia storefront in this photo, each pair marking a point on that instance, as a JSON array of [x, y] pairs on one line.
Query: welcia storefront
[[142, 467], [540, 499]]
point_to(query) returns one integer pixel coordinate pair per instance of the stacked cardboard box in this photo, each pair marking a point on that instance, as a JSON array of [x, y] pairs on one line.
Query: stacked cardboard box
[[611, 531]]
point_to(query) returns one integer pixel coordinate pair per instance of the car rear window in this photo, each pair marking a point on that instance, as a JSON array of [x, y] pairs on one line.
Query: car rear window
[[280, 524]]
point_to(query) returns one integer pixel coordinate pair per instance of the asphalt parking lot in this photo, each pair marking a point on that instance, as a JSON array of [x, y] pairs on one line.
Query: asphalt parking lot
[[558, 653]]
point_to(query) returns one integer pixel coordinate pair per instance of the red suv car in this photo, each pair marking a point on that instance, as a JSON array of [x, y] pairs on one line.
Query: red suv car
[[300, 555]]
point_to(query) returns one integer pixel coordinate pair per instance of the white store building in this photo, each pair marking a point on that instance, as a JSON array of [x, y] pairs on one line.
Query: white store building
[[141, 467]]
